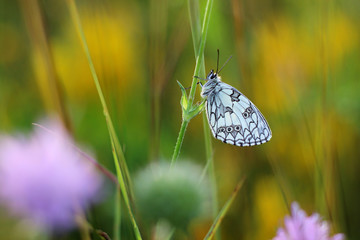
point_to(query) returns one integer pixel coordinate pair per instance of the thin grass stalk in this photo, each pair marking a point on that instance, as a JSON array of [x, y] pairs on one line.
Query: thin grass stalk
[[117, 216], [111, 129], [199, 61], [116, 148], [332, 194], [200, 53], [157, 229], [123, 165], [107, 173], [49, 86], [179, 141], [325, 128], [157, 57], [195, 25], [280, 180], [211, 171], [83, 226], [99, 167], [214, 227], [194, 15], [125, 195]]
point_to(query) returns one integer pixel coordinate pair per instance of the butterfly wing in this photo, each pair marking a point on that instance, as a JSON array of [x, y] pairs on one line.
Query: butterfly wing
[[234, 119]]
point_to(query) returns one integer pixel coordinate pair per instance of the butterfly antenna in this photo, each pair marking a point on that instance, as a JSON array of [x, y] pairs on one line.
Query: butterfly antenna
[[224, 64], [200, 78], [217, 64]]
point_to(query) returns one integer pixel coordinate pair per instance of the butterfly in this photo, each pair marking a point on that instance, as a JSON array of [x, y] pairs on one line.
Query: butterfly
[[232, 117]]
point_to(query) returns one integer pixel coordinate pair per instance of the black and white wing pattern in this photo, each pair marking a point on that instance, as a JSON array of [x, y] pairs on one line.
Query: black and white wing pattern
[[234, 119]]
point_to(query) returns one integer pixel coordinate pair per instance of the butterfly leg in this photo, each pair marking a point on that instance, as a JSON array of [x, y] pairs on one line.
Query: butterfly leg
[[197, 83]]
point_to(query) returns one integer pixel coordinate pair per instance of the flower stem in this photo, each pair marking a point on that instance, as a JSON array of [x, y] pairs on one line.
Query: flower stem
[[200, 52], [179, 141], [199, 63], [195, 23]]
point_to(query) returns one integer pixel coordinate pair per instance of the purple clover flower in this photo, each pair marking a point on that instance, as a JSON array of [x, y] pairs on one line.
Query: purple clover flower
[[301, 227], [44, 179]]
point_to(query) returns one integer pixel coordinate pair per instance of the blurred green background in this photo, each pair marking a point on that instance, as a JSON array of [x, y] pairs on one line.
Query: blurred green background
[[298, 61]]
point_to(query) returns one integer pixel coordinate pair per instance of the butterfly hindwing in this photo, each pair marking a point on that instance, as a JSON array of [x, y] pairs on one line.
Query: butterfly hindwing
[[234, 119]]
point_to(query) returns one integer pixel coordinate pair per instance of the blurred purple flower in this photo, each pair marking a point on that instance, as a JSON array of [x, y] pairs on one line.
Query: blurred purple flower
[[301, 227], [44, 179]]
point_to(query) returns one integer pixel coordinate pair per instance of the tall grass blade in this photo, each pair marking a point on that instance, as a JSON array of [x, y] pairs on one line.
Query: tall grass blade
[[48, 84], [194, 15], [121, 168], [223, 211]]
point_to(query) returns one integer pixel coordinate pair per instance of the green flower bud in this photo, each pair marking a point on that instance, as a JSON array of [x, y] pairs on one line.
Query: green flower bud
[[172, 194]]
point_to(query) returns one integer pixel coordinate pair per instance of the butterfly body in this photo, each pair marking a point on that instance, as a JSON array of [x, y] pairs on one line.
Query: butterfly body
[[232, 117]]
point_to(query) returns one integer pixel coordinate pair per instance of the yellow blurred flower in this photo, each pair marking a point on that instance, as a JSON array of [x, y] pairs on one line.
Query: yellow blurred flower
[[292, 54], [269, 208], [114, 48], [292, 59]]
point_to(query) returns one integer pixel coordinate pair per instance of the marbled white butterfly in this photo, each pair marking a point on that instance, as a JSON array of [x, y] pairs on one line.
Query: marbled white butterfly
[[232, 117]]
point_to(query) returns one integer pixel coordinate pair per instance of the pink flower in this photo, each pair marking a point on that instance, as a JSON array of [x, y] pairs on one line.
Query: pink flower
[[301, 227], [44, 179]]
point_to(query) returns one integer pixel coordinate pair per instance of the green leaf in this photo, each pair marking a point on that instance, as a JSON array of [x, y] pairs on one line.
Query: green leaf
[[184, 99], [195, 110]]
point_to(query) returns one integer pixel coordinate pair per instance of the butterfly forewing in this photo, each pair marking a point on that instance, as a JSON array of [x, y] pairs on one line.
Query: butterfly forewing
[[233, 118]]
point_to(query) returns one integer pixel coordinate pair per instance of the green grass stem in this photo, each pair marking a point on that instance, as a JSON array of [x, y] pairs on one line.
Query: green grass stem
[[117, 215], [199, 63], [194, 15], [125, 196], [200, 52], [179, 141], [223, 211], [120, 166]]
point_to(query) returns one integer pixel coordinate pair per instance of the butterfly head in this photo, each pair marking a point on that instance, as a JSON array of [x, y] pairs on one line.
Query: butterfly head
[[212, 75]]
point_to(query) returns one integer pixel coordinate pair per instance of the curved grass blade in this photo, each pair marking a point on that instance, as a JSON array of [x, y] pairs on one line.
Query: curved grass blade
[[121, 168], [223, 211]]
